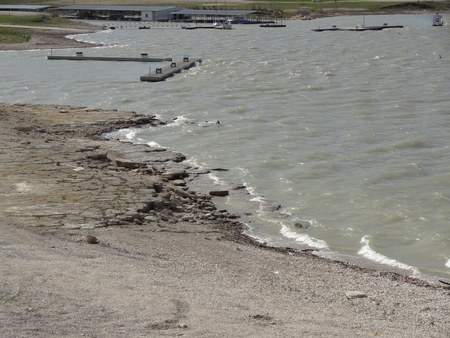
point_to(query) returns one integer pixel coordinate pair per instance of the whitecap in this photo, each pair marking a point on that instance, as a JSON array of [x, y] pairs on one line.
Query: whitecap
[[374, 256], [154, 145], [303, 238]]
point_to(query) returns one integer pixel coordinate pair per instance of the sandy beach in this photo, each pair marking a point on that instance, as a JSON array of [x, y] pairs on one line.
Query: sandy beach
[[107, 239]]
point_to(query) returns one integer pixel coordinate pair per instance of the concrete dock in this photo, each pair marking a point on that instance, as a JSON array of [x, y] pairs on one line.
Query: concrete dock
[[160, 74], [80, 57]]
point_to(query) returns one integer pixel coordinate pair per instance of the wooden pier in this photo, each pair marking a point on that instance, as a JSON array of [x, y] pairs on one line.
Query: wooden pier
[[80, 57], [160, 74]]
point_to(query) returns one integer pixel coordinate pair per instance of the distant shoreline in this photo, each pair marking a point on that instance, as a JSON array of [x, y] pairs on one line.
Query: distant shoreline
[[55, 38]]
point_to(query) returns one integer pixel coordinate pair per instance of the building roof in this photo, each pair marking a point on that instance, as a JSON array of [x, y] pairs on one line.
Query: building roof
[[117, 8], [22, 7], [221, 12]]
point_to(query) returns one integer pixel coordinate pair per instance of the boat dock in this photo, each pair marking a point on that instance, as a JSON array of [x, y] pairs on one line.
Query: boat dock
[[357, 28], [160, 74], [80, 57], [438, 20], [199, 27]]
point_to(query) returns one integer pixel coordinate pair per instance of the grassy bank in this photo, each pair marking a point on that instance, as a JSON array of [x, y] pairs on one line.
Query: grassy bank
[[36, 20], [12, 35]]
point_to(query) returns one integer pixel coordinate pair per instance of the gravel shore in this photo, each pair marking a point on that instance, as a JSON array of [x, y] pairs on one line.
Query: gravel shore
[[105, 239]]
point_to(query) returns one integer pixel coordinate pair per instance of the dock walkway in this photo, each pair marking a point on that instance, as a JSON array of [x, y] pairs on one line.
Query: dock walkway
[[80, 57], [357, 28], [160, 74]]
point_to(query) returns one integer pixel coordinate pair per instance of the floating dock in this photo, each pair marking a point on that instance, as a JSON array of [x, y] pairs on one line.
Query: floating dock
[[80, 57], [357, 28], [160, 74], [438, 20], [199, 27]]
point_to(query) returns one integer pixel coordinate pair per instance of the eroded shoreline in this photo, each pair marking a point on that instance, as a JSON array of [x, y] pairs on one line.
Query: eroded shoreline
[[166, 261], [114, 183]]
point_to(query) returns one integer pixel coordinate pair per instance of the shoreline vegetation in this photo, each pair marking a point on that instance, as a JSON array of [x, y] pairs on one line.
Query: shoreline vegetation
[[109, 239]]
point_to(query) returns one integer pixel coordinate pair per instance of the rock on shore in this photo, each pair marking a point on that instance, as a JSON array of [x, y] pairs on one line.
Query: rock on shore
[[86, 181]]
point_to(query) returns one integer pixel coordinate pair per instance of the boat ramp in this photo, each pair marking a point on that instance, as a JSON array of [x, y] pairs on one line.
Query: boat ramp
[[160, 74]]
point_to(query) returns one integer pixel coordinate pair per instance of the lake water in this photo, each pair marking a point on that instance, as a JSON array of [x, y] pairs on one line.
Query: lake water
[[347, 130]]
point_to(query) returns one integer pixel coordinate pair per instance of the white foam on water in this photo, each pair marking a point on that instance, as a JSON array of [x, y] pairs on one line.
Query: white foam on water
[[214, 178], [176, 122], [303, 238], [374, 256], [154, 144], [448, 263], [128, 133], [259, 199]]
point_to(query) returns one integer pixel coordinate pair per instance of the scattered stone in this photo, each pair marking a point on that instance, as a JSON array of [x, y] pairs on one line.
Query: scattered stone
[[145, 171], [165, 195], [173, 175], [158, 186], [303, 224], [179, 182], [219, 192], [90, 239], [129, 164], [126, 218], [273, 207], [182, 325], [355, 294]]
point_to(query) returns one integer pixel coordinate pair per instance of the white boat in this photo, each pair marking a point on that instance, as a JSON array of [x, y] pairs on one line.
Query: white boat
[[223, 24], [438, 20]]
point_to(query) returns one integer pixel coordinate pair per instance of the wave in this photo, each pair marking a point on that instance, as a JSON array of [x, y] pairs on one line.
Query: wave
[[303, 238], [367, 252], [414, 143]]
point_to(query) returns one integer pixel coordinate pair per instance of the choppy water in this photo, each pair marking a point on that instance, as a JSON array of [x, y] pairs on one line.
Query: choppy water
[[348, 130]]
